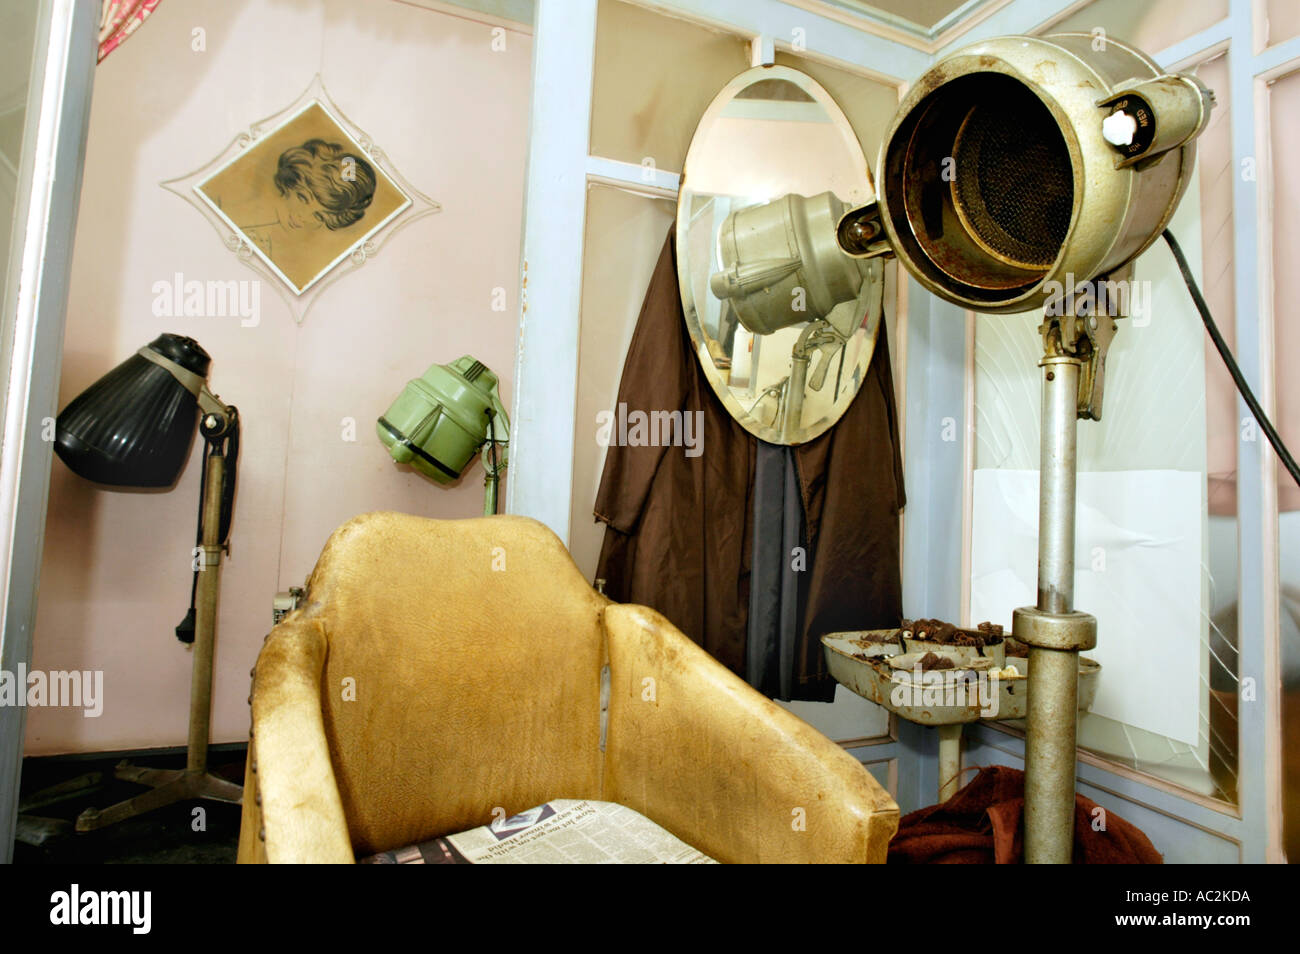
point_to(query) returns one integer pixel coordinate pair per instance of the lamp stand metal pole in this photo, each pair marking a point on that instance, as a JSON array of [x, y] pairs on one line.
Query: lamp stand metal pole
[[1053, 631], [168, 786], [1073, 367], [819, 334], [205, 630], [494, 455]]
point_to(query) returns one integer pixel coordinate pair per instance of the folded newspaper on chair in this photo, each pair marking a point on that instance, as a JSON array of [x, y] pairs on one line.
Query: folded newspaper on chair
[[565, 831]]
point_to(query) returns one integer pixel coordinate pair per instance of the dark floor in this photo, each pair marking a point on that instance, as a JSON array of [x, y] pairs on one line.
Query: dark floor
[[166, 836]]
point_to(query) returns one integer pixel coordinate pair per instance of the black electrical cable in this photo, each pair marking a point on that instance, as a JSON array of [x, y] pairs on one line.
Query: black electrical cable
[[492, 439], [1273, 438]]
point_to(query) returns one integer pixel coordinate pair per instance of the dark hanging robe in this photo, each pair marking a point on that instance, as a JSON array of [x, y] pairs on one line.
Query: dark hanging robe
[[680, 529]]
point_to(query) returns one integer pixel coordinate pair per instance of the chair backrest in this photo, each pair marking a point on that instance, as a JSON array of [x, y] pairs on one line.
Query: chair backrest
[[734, 774], [462, 674]]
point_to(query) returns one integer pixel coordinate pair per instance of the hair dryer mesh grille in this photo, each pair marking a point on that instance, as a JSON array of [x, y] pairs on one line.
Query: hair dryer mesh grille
[[1013, 184]]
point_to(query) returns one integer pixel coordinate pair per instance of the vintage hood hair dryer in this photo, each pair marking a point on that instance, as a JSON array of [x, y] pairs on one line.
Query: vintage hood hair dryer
[[1013, 169], [1020, 160], [135, 425], [442, 418]]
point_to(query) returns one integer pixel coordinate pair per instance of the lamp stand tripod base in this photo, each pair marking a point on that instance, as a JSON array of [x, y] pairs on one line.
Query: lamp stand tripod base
[[167, 787]]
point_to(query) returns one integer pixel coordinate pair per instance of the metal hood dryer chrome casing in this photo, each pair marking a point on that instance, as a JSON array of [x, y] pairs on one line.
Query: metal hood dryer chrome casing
[[996, 180], [771, 251]]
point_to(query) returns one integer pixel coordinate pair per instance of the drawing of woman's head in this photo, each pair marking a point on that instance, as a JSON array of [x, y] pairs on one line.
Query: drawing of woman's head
[[323, 185]]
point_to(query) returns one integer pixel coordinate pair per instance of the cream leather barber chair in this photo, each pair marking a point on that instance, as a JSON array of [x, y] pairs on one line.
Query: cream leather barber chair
[[439, 670]]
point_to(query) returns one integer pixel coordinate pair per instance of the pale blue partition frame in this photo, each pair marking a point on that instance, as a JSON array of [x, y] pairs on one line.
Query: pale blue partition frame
[[936, 368], [31, 328]]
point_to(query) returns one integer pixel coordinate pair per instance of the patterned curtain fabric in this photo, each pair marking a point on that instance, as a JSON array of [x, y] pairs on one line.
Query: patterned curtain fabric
[[119, 19]]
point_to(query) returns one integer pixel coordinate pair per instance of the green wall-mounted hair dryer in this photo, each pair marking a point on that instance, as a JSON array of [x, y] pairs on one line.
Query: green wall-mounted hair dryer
[[443, 417]]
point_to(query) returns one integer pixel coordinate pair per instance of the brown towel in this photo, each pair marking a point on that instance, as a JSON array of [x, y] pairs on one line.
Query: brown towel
[[984, 823]]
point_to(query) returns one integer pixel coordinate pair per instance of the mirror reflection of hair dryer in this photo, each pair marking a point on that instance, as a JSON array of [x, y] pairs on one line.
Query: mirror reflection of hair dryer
[[782, 266]]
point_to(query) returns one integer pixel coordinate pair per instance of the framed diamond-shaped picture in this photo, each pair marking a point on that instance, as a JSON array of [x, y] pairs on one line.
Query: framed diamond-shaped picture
[[303, 196]]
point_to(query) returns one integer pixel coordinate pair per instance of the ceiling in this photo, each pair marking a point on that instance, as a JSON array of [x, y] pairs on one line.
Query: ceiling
[[924, 15], [918, 22]]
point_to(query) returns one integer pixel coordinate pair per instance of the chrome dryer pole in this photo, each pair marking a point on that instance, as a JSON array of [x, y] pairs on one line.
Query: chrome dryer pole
[[1052, 630], [1073, 366]]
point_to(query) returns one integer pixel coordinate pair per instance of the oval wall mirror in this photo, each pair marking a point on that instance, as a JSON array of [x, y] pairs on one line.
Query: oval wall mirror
[[783, 322]]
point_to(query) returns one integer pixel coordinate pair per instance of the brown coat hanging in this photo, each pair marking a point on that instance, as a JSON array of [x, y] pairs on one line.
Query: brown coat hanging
[[678, 528]]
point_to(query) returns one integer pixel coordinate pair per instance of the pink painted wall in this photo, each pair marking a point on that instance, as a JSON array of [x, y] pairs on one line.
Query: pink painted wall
[[451, 113], [1284, 140]]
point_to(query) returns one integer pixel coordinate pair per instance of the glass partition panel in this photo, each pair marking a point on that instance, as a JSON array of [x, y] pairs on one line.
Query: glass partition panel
[[17, 29], [1284, 105]]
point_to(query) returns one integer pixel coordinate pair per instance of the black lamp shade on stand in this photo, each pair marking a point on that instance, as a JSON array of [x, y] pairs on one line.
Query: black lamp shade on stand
[[134, 426]]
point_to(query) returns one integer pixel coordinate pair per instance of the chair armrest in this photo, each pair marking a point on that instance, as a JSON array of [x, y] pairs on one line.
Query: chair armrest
[[692, 747], [296, 804]]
